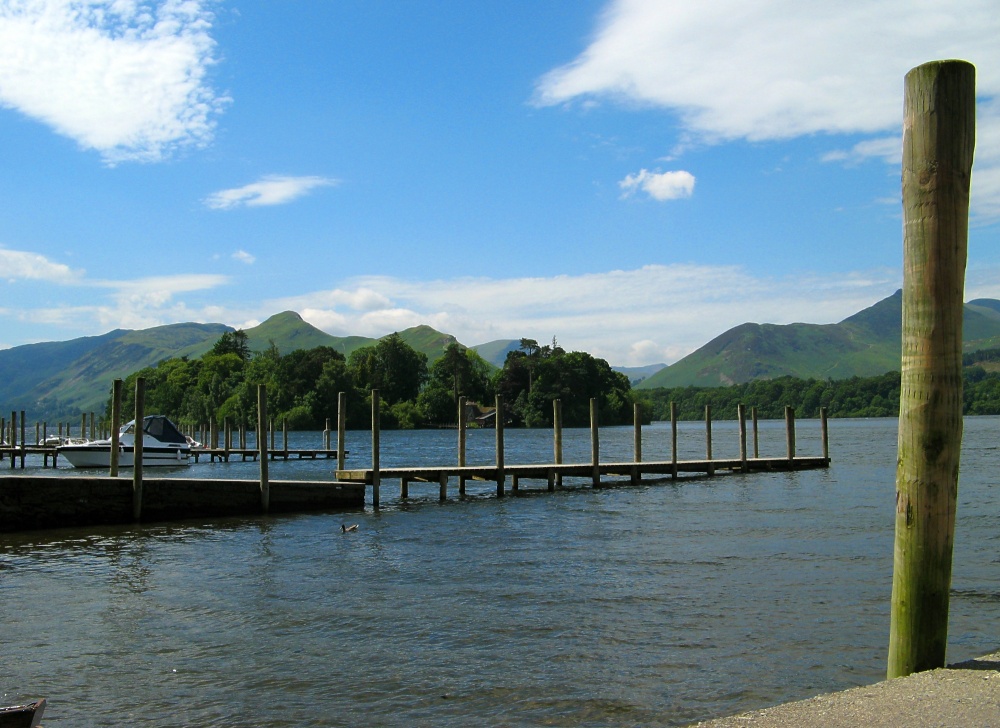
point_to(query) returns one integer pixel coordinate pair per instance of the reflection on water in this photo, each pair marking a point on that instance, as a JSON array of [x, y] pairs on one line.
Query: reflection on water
[[659, 604]]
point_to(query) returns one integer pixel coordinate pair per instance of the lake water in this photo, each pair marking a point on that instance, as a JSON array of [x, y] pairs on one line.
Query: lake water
[[658, 604]]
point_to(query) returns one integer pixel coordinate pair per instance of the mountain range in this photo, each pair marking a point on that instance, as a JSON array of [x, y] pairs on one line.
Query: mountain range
[[57, 380]]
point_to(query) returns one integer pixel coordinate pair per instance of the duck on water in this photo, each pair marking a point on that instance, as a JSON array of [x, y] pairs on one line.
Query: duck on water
[[162, 444]]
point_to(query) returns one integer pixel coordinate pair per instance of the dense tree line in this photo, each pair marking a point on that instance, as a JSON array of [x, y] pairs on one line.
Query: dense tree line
[[303, 385], [854, 397]]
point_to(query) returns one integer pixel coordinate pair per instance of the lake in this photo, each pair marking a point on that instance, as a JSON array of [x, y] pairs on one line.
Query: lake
[[652, 605]]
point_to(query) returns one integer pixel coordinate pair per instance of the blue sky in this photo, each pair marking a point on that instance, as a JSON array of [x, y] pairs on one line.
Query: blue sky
[[633, 177]]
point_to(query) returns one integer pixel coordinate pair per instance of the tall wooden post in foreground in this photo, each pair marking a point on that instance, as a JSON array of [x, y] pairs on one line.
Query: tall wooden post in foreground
[[116, 416], [138, 431], [265, 484], [938, 143]]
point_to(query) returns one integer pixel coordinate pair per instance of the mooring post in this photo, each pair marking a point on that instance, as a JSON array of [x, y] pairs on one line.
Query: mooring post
[[708, 439], [636, 441], [741, 415], [116, 415], [326, 435], [499, 422], [284, 436], [341, 428], [673, 439], [227, 438], [271, 431], [265, 486], [939, 129], [756, 433], [83, 426], [461, 443], [790, 433], [24, 442], [443, 495], [376, 425], [13, 439], [824, 434], [138, 431], [595, 445], [557, 442]]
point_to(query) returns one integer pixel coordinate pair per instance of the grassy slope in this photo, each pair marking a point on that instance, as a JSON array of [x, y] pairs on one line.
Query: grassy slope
[[865, 344]]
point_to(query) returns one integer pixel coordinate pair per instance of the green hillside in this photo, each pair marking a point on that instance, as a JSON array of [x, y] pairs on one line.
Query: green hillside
[[60, 380], [495, 352], [865, 344]]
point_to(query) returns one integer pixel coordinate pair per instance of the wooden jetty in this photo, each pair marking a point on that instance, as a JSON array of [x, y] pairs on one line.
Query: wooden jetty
[[555, 472]]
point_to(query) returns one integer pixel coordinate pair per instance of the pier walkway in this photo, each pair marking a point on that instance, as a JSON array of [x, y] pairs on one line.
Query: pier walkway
[[964, 694]]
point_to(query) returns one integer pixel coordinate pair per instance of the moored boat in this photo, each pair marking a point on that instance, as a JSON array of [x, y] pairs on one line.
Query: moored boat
[[22, 716], [162, 444]]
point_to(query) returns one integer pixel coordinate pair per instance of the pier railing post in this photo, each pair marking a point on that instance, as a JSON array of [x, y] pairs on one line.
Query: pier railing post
[[341, 429], [13, 439], [708, 439], [824, 434], [326, 435], [265, 486], [595, 445], [138, 432], [501, 473], [557, 441], [116, 415], [376, 428], [636, 441], [790, 433], [939, 130], [24, 442], [741, 415], [673, 439], [461, 442], [756, 433]]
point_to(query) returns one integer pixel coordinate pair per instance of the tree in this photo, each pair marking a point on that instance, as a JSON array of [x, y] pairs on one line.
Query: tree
[[391, 366]]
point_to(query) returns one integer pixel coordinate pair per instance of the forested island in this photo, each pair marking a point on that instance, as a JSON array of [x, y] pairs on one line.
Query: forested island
[[303, 386]]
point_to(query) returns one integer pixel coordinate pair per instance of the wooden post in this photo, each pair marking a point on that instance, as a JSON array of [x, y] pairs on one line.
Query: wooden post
[[116, 415], [265, 486], [341, 428], [708, 438], [673, 439], [790, 433], [93, 428], [824, 434], [557, 442], [595, 445], [636, 440], [284, 436], [404, 487], [326, 435], [140, 415], [741, 415], [461, 443], [24, 442], [227, 438], [443, 494], [501, 474], [271, 432], [13, 438], [83, 426], [939, 131], [376, 427], [756, 433]]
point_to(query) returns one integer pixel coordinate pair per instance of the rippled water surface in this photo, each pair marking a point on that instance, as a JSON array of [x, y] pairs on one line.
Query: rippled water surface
[[658, 604]]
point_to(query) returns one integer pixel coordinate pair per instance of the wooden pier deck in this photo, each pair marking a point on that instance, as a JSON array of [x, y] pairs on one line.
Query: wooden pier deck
[[223, 455], [553, 473]]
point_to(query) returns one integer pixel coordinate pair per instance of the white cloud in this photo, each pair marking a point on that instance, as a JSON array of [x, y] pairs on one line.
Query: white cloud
[[22, 265], [124, 78], [653, 314], [659, 186], [244, 257], [269, 190], [781, 68]]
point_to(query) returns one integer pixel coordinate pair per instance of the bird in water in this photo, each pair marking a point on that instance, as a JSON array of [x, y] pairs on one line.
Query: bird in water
[[348, 529]]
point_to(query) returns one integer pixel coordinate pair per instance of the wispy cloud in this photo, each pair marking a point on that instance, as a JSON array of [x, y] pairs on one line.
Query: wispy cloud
[[124, 78], [244, 257], [660, 186], [723, 68], [270, 190], [630, 317], [23, 265]]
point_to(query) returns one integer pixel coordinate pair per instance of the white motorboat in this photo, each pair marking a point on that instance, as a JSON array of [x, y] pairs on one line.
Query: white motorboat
[[162, 444]]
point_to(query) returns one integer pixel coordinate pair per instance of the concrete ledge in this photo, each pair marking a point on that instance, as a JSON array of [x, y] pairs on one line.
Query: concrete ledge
[[964, 694], [36, 502]]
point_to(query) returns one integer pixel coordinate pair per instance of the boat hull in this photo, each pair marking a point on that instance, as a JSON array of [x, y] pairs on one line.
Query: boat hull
[[99, 456]]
